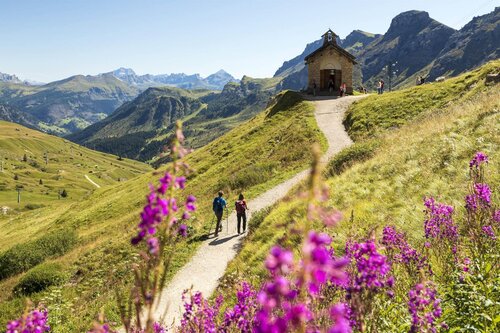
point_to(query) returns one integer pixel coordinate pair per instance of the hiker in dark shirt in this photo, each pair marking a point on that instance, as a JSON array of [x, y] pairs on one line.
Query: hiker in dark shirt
[[241, 214], [218, 207]]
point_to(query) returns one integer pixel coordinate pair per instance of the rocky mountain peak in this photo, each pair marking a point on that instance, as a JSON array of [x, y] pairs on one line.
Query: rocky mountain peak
[[122, 71], [10, 78], [408, 22]]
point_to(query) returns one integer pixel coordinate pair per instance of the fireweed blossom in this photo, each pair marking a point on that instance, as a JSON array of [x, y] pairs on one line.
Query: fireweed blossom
[[33, 322], [371, 268], [488, 231], [339, 314], [480, 198], [478, 159], [369, 277], [424, 307], [319, 264], [161, 225], [241, 315], [199, 315], [496, 217], [439, 224], [285, 300], [402, 252]]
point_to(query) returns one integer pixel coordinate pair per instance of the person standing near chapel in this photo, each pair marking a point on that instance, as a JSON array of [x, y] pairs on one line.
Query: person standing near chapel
[[241, 214], [218, 207]]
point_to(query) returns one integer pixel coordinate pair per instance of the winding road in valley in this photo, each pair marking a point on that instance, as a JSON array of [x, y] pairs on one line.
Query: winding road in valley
[[92, 182], [203, 271]]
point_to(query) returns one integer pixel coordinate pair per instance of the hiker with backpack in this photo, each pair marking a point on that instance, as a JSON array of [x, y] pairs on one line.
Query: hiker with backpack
[[241, 214], [218, 207]]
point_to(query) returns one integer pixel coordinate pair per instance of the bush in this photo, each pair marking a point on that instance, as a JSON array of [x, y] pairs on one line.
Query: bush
[[22, 257], [64, 193], [32, 206], [358, 152], [40, 278]]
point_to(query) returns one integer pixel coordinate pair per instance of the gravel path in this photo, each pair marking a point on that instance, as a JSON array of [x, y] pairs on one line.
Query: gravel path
[[92, 182], [208, 265]]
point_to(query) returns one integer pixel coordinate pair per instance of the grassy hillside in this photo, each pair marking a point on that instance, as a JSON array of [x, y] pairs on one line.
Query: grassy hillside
[[43, 165], [253, 157], [383, 180], [377, 113]]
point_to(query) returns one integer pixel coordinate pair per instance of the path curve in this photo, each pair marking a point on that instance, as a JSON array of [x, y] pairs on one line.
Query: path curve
[[208, 265], [92, 182]]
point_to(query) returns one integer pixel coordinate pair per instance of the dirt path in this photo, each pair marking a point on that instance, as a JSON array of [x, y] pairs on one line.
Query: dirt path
[[92, 182], [209, 263]]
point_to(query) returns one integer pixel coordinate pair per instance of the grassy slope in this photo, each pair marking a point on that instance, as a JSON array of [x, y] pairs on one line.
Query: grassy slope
[[372, 115], [425, 157], [199, 130], [67, 165], [252, 158]]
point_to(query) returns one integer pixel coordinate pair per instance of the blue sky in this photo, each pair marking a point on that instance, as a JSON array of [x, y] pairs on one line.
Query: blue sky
[[47, 40]]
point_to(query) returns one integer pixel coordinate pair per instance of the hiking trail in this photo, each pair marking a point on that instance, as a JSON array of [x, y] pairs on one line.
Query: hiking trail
[[92, 182], [208, 265]]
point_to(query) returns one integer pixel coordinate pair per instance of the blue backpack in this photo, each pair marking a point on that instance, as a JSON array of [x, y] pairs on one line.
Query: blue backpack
[[218, 205]]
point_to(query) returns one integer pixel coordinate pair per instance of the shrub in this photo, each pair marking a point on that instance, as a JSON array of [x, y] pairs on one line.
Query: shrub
[[358, 152], [40, 278], [64, 193], [22, 257], [33, 206]]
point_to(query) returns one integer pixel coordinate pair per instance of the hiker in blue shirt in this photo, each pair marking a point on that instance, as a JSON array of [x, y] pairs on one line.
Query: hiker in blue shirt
[[219, 205]]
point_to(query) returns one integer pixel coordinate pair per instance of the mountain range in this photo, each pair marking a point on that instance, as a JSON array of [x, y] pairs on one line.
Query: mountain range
[[139, 129], [415, 44], [215, 81], [69, 105]]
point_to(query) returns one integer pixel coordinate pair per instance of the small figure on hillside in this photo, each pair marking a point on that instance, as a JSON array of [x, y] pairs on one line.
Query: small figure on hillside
[[419, 80], [314, 87], [380, 87], [241, 214], [218, 207], [330, 86], [343, 89]]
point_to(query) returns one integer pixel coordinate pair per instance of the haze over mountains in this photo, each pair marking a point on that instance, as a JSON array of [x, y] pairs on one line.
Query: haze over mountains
[[415, 44]]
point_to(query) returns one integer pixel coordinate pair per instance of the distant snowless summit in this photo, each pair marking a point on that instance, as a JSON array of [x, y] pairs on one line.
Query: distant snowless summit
[[11, 78], [215, 81]]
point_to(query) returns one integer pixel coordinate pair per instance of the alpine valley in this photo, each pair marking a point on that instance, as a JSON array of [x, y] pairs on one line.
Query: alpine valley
[[371, 212]]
